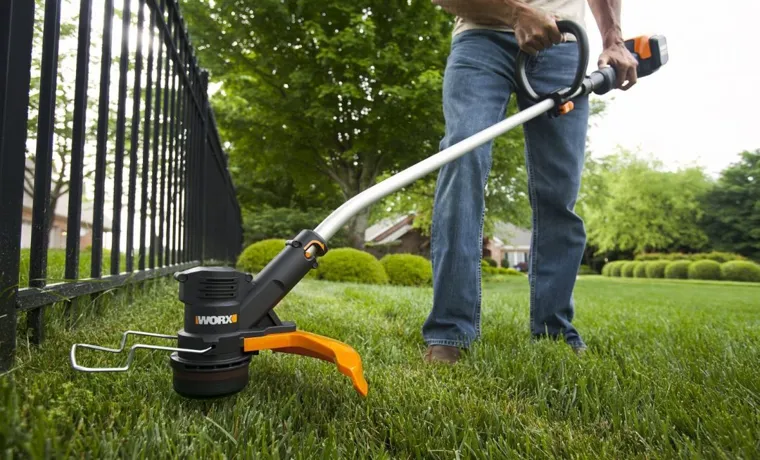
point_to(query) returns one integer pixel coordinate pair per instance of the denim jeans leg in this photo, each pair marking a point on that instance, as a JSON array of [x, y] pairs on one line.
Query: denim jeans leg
[[477, 86], [555, 150]]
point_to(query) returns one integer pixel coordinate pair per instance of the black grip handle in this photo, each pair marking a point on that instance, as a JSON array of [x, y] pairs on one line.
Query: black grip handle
[[579, 33], [603, 80]]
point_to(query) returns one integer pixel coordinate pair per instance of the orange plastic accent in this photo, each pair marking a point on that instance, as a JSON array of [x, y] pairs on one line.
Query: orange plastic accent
[[641, 47], [310, 244], [316, 346], [566, 107]]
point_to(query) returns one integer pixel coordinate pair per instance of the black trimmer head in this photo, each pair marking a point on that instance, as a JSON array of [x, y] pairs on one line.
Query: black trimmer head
[[229, 318]]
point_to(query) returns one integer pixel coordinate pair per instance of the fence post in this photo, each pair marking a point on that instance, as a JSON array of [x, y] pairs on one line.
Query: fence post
[[43, 164], [204, 161], [16, 28]]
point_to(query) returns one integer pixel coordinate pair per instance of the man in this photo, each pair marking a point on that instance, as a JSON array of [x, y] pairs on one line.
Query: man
[[478, 82]]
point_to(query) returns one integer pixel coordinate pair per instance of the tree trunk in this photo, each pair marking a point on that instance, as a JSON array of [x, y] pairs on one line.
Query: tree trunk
[[50, 215], [356, 228]]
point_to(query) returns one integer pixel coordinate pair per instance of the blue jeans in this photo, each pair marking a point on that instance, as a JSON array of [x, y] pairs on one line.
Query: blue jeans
[[478, 83]]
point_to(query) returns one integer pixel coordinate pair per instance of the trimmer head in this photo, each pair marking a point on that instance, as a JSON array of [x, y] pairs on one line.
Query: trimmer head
[[229, 318]]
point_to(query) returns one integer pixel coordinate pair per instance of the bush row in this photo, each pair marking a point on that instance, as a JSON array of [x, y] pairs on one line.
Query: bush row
[[352, 265], [347, 265], [488, 269], [702, 269], [720, 257]]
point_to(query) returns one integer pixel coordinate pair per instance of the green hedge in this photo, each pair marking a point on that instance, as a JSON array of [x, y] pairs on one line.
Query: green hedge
[[740, 270], [407, 269], [717, 256], [351, 265], [640, 270], [256, 256], [586, 270], [628, 269], [490, 262], [656, 268], [614, 268], [704, 270], [678, 269]]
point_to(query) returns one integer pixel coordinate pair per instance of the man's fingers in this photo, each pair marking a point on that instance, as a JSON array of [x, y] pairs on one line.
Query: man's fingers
[[631, 77], [545, 40], [554, 35], [528, 48], [621, 78]]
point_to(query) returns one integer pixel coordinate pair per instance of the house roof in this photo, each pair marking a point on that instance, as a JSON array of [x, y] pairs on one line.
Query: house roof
[[389, 229], [512, 236], [505, 234]]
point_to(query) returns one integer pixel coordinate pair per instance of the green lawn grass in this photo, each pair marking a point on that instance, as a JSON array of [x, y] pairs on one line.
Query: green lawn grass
[[56, 265], [673, 370]]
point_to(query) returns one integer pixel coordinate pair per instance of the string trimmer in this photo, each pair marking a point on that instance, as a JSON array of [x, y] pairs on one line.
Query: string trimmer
[[229, 315]]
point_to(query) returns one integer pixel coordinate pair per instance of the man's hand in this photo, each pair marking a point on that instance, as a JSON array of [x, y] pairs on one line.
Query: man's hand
[[614, 52], [535, 30], [618, 56]]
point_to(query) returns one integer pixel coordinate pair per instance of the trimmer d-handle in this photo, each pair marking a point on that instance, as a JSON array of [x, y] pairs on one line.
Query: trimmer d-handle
[[651, 52]]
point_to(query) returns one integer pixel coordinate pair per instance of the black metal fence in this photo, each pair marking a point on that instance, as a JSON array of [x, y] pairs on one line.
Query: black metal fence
[[147, 146]]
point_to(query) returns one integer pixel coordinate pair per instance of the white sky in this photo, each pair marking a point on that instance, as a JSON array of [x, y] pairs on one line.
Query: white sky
[[702, 106]]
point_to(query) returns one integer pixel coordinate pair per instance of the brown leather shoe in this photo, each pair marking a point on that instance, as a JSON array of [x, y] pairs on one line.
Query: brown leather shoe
[[442, 353]]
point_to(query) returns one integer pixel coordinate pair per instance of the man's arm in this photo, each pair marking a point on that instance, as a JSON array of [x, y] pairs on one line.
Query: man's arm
[[614, 53], [534, 29]]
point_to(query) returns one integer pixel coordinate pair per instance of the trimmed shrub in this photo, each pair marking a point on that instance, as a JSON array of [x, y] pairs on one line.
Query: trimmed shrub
[[628, 268], [508, 271], [491, 262], [650, 256], [351, 265], [640, 270], [740, 270], [586, 270], [407, 269], [720, 257], [704, 270], [616, 268], [678, 256], [256, 256], [678, 269], [484, 264], [656, 268]]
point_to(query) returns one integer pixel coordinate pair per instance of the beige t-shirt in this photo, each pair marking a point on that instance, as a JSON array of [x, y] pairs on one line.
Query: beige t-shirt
[[573, 10]]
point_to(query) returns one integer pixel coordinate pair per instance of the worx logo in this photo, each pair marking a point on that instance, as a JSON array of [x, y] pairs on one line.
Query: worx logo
[[215, 320]]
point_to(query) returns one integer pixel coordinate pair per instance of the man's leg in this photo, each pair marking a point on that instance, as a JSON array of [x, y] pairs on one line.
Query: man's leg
[[554, 158], [477, 86]]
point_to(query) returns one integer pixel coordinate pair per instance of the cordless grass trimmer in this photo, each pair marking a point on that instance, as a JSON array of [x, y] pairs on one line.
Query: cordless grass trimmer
[[229, 315]]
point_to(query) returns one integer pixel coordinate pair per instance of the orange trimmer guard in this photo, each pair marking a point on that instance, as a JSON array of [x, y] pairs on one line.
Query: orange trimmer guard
[[316, 346]]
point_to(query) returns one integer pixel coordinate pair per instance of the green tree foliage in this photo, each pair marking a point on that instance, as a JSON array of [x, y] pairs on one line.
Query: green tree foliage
[[323, 97], [630, 203], [506, 197], [285, 223], [732, 208]]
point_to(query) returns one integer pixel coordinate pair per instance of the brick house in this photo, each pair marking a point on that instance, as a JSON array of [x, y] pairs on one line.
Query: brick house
[[508, 246], [58, 229]]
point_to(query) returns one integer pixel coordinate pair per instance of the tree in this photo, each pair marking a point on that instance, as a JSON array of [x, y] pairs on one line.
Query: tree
[[335, 94], [630, 204], [731, 208], [506, 197]]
